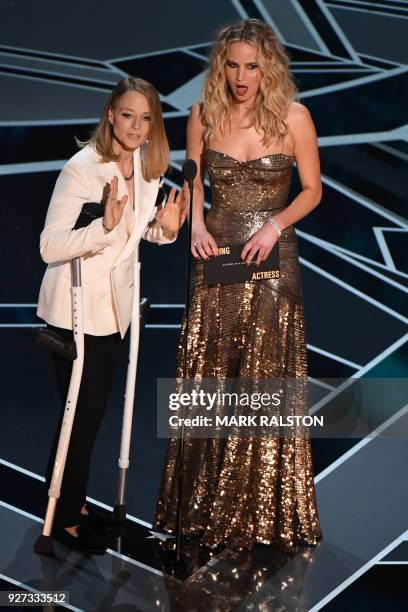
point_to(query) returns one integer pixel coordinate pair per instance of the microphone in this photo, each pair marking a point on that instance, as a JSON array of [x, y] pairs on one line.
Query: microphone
[[189, 171]]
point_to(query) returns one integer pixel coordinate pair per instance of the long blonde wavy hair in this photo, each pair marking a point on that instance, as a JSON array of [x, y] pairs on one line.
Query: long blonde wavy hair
[[276, 90], [155, 155]]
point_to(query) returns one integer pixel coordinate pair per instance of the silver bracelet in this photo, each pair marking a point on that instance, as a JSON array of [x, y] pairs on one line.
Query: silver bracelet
[[275, 226]]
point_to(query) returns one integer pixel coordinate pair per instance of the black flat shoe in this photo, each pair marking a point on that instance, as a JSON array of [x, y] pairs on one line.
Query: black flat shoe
[[100, 522], [88, 542]]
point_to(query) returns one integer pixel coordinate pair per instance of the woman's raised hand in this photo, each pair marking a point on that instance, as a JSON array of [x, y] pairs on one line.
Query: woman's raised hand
[[113, 206], [203, 244], [172, 216]]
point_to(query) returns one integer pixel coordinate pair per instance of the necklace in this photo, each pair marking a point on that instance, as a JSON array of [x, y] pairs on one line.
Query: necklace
[[128, 178]]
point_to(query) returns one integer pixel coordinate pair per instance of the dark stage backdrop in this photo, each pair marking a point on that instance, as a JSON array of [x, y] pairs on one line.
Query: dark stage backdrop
[[57, 64]]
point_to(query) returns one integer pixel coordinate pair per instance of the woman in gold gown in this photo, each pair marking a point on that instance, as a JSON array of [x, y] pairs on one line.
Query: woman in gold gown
[[247, 132]]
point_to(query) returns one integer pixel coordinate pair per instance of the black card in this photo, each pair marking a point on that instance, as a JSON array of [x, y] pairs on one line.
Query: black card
[[228, 267], [89, 212]]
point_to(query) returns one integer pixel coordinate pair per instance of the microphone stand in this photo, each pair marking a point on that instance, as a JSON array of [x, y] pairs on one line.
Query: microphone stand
[[180, 458]]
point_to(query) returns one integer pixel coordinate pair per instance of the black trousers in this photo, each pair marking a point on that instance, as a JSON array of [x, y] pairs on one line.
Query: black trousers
[[101, 358]]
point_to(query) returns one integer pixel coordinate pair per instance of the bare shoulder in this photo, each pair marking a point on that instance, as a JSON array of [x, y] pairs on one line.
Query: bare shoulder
[[196, 114], [195, 125], [298, 117], [303, 132]]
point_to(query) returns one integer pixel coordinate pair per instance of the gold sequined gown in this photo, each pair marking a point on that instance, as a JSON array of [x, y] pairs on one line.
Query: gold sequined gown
[[238, 491]]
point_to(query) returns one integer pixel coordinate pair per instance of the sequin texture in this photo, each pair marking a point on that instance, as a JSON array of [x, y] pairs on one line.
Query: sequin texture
[[238, 491]]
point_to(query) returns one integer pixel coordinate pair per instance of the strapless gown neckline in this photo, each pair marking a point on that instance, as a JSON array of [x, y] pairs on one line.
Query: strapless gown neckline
[[248, 161]]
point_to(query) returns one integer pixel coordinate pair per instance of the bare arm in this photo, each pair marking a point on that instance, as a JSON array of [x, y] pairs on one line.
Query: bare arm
[[203, 244], [308, 166], [306, 154]]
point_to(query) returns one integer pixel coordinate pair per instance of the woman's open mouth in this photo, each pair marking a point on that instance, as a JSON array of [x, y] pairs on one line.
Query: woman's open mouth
[[241, 89]]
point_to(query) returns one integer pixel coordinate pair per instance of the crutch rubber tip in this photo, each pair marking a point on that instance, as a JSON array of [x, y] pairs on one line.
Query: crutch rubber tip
[[119, 513], [43, 546]]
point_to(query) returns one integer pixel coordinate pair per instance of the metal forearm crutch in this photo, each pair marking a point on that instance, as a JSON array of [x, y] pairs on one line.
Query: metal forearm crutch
[[75, 351], [119, 512], [139, 314], [43, 544]]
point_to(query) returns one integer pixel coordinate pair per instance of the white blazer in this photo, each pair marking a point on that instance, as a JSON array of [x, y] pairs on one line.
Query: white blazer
[[107, 259]]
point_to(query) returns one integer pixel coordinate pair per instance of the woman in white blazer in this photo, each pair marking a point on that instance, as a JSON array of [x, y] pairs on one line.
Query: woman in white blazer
[[121, 166]]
